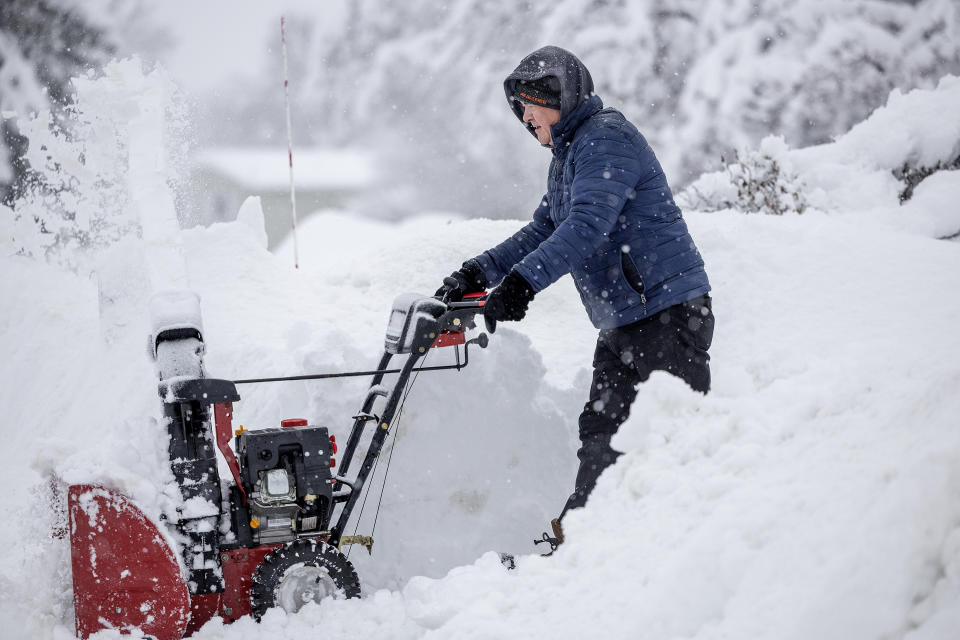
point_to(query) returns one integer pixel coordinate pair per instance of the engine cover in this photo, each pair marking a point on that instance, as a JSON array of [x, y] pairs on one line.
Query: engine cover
[[286, 474]]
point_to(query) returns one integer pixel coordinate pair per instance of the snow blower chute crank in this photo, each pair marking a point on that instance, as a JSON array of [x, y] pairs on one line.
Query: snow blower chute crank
[[272, 536]]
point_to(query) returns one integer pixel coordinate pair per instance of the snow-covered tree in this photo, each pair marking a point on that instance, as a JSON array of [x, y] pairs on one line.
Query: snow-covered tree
[[807, 71], [421, 82]]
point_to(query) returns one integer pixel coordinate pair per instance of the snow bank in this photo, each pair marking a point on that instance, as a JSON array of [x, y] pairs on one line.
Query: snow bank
[[855, 175], [909, 129], [812, 494]]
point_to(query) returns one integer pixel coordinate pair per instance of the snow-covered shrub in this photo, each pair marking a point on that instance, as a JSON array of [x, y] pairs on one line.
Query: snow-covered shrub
[[756, 181], [900, 167], [911, 176], [895, 165]]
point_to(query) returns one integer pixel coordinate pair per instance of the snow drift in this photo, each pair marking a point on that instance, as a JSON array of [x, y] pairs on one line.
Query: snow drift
[[813, 493], [898, 168]]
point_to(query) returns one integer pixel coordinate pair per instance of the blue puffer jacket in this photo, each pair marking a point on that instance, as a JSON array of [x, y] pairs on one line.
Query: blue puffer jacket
[[608, 218]]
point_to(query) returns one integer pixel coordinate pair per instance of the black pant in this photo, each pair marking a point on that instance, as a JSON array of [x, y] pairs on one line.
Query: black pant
[[675, 340]]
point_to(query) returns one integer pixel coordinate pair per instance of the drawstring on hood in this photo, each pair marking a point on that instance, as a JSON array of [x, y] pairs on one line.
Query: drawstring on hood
[[576, 85]]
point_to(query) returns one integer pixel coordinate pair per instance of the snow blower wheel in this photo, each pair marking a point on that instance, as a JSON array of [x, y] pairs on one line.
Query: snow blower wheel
[[301, 572]]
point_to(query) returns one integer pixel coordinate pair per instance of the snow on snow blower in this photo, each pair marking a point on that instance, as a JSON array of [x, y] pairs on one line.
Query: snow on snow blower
[[271, 537]]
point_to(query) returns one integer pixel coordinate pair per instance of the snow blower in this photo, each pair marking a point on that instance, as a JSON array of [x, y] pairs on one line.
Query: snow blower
[[271, 537]]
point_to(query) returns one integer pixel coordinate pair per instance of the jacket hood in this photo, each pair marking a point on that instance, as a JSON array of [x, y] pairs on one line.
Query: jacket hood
[[563, 131], [576, 85]]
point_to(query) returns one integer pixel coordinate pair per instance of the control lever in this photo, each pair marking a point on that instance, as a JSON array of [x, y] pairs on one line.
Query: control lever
[[452, 285], [481, 341], [375, 391]]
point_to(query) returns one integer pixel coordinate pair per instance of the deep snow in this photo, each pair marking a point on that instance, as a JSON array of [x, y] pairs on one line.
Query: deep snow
[[815, 493]]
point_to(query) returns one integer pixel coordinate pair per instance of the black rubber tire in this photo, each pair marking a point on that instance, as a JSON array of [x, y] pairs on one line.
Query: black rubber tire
[[311, 553]]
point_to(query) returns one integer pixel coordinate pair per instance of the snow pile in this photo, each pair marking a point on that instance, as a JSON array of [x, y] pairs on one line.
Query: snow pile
[[865, 172], [813, 493]]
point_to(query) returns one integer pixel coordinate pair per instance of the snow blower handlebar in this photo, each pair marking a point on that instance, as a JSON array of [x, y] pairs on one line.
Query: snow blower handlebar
[[457, 318], [416, 325], [468, 301]]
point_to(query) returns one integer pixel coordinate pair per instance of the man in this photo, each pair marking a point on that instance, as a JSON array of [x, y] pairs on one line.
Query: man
[[609, 220]]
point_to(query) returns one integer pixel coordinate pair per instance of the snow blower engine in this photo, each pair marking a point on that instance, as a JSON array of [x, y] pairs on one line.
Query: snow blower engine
[[271, 537]]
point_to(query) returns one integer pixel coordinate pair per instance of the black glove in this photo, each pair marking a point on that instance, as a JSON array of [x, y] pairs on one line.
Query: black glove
[[510, 299], [470, 278]]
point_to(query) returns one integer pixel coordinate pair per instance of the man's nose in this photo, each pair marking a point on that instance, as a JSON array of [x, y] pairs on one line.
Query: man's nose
[[527, 114]]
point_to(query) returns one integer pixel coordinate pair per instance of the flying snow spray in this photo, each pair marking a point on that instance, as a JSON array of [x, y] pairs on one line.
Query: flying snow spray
[[286, 101]]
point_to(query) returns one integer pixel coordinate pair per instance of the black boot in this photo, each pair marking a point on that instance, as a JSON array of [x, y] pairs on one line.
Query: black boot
[[595, 455]]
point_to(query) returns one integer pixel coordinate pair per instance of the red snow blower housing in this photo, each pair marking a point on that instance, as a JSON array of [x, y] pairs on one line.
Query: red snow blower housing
[[273, 535]]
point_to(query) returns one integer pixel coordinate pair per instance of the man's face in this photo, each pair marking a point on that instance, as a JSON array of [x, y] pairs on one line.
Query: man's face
[[541, 118]]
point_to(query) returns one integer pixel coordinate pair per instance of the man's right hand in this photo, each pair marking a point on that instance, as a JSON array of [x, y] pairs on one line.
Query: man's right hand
[[470, 279]]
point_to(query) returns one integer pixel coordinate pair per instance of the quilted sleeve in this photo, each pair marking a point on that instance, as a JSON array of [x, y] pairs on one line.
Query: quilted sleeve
[[498, 261]]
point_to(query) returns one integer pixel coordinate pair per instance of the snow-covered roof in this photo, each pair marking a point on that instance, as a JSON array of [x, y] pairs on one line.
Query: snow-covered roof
[[266, 169]]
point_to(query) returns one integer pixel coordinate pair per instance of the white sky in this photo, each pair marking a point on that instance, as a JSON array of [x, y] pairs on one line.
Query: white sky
[[219, 39]]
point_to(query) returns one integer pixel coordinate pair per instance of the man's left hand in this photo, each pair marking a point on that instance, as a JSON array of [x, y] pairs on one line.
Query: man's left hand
[[510, 299]]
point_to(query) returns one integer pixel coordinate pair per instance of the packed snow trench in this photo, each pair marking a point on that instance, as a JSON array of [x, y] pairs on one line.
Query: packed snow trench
[[814, 493]]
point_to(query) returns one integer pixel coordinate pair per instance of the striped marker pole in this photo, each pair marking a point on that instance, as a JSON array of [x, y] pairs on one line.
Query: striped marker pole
[[286, 100]]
